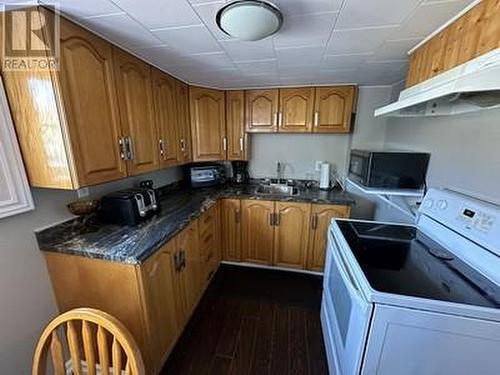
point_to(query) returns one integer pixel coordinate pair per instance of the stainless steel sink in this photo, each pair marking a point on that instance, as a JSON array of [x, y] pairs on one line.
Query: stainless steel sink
[[277, 189]]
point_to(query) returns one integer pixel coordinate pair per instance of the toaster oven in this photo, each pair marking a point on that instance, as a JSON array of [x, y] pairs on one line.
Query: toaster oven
[[206, 175]]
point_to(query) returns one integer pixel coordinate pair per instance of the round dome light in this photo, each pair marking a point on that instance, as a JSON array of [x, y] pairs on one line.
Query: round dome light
[[249, 19]]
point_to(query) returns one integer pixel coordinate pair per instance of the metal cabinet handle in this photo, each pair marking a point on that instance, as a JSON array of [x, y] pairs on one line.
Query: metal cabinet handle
[[316, 119], [280, 119], [275, 118], [237, 216], [183, 259], [277, 220], [162, 148], [183, 145], [224, 143], [128, 148], [177, 262], [121, 145], [271, 219], [314, 223], [241, 144]]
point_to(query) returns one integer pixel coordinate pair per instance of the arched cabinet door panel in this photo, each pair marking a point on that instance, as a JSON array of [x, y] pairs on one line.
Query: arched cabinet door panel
[[296, 112], [333, 109], [262, 111]]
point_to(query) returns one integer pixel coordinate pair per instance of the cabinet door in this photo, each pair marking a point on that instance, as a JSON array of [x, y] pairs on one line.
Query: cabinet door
[[257, 231], [296, 110], [262, 111], [160, 303], [291, 234], [183, 123], [88, 93], [164, 92], [187, 244], [333, 107], [237, 139], [208, 124], [321, 215], [133, 83], [231, 230]]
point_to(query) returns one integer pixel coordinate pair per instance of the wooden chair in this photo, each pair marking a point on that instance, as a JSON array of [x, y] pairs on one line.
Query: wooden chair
[[84, 330]]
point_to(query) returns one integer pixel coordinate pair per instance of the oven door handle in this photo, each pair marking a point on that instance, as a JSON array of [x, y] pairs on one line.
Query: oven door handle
[[344, 272]]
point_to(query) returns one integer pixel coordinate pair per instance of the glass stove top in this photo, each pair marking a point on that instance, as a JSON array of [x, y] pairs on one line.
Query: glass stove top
[[401, 260]]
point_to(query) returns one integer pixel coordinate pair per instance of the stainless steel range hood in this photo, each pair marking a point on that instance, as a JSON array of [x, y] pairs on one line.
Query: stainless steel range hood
[[469, 87]]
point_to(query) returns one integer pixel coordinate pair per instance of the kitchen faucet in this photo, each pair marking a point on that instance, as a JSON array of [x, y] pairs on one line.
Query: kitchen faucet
[[278, 171]]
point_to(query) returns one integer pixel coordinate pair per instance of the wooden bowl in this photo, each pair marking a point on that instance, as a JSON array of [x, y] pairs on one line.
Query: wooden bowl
[[84, 207]]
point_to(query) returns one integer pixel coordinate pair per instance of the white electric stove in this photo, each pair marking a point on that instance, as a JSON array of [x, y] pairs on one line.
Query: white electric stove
[[422, 299]]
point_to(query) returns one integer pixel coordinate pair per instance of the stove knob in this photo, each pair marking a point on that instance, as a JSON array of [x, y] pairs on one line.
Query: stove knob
[[429, 203], [442, 205]]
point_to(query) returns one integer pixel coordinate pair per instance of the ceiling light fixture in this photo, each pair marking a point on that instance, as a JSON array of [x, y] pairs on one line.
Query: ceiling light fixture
[[249, 20]]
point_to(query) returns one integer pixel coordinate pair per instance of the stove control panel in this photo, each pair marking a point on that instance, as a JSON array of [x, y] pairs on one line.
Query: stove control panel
[[474, 219]]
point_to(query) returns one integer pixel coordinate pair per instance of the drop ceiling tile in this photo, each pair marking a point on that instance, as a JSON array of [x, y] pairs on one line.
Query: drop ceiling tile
[[207, 13], [160, 14], [428, 17], [241, 51], [301, 7], [355, 60], [362, 13], [353, 41], [212, 60], [394, 49], [304, 56], [87, 8], [305, 30], [188, 40], [121, 29], [263, 67], [326, 76]]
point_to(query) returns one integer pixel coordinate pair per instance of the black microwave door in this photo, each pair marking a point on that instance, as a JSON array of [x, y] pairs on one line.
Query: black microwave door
[[405, 171], [358, 167]]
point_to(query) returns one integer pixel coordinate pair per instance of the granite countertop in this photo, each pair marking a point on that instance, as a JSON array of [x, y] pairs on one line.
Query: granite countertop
[[90, 238]]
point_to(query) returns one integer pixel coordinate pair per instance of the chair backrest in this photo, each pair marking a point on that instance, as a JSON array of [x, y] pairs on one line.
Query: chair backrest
[[91, 342]]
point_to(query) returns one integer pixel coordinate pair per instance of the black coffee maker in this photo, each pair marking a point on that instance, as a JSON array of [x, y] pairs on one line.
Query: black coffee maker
[[240, 172]]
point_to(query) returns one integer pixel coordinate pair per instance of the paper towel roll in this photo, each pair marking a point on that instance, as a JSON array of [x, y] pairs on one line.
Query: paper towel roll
[[324, 179]]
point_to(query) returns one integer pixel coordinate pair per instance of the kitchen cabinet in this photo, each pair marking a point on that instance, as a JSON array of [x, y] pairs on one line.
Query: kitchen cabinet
[[333, 108], [257, 231], [183, 123], [210, 242], [231, 229], [473, 34], [208, 124], [161, 298], [135, 99], [321, 216], [296, 110], [165, 108], [237, 138], [261, 108], [291, 234], [67, 121]]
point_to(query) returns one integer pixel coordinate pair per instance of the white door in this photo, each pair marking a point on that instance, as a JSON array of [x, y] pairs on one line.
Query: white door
[[15, 194], [413, 342]]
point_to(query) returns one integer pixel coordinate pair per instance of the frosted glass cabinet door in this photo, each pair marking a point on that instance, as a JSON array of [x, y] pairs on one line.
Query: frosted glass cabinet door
[[15, 194]]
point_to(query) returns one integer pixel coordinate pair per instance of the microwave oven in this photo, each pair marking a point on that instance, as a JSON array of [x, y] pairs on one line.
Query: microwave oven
[[389, 169]]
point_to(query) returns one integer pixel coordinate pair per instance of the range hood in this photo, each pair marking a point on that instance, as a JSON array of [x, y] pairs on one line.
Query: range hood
[[472, 86]]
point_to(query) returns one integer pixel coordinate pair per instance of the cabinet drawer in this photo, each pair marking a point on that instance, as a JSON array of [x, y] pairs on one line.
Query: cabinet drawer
[[208, 220]]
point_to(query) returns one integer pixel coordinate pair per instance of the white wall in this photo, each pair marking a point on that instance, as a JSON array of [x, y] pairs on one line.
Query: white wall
[[27, 302], [298, 152], [465, 150]]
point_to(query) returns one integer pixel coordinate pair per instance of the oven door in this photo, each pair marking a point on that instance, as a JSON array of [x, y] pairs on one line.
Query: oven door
[[346, 313]]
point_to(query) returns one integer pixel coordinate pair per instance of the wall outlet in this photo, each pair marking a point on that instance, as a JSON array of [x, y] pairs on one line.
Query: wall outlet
[[83, 192], [317, 165]]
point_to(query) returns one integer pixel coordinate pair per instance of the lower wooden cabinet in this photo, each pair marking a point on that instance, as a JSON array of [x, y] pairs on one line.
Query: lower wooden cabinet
[[321, 215], [231, 229], [291, 234], [257, 231], [210, 242]]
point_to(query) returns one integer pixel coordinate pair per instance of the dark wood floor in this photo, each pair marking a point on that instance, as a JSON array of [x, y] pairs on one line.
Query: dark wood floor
[[254, 321]]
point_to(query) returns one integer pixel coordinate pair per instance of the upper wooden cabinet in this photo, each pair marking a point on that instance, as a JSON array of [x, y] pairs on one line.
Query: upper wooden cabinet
[[321, 215], [473, 34], [333, 108], [291, 234], [237, 139], [208, 124], [67, 121], [301, 110], [262, 111], [164, 94], [183, 123], [133, 83], [296, 110]]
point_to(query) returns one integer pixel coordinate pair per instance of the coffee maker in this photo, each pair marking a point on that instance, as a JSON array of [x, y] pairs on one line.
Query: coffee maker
[[240, 172]]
